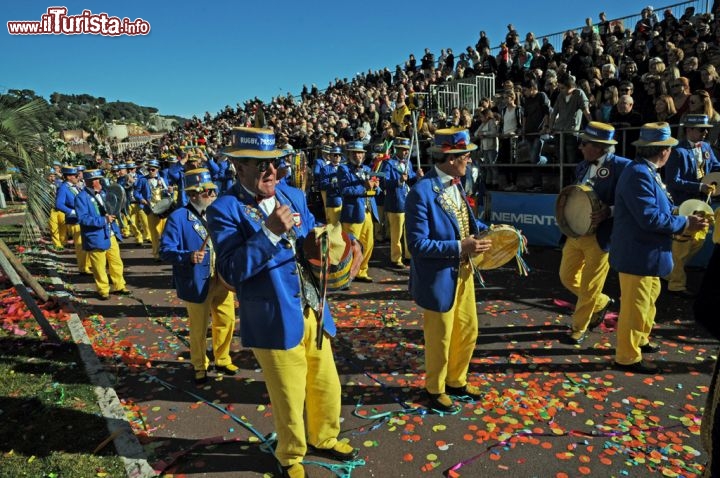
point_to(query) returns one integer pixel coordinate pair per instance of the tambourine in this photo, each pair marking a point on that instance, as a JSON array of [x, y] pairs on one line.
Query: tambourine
[[574, 208], [507, 243]]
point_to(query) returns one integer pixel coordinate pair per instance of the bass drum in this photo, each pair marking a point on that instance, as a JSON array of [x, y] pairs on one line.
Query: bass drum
[[163, 208]]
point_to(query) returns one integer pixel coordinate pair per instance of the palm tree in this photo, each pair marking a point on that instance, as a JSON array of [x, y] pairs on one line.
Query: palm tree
[[24, 146]]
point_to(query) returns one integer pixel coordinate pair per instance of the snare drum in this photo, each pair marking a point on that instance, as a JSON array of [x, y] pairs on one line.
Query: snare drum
[[574, 208], [344, 259], [507, 243]]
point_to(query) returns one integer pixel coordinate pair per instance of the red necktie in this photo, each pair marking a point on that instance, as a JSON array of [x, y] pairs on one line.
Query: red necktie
[[455, 181]]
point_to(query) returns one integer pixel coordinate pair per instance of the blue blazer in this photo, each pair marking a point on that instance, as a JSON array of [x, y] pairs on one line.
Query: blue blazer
[[221, 174], [264, 275], [184, 233], [94, 229], [681, 171], [65, 202], [329, 183], [354, 194], [433, 236], [174, 175], [396, 191], [641, 241], [604, 185]]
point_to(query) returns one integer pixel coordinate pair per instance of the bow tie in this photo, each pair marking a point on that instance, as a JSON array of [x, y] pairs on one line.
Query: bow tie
[[697, 145], [259, 199], [452, 182]]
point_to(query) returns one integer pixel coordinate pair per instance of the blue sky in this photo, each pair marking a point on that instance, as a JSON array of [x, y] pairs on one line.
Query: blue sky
[[203, 55]]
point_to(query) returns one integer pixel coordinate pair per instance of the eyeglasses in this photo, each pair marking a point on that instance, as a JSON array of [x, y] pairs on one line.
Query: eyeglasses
[[263, 165], [152, 169], [209, 193]]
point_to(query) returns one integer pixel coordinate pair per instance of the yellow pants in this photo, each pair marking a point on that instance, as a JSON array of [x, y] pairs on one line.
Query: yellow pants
[[583, 269], [637, 316], [302, 382], [363, 232], [81, 255], [396, 220], [126, 226], [220, 305], [58, 229], [455, 330], [110, 260], [682, 252], [156, 226], [332, 214], [140, 223]]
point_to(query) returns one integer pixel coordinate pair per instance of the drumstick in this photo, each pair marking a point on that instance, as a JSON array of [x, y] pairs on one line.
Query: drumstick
[[207, 238]]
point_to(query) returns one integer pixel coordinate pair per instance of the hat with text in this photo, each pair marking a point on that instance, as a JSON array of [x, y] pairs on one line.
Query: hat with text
[[90, 174], [597, 132], [198, 180], [250, 143], [69, 170], [696, 121], [655, 134]]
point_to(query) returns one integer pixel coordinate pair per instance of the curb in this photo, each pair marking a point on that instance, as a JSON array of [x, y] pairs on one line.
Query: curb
[[126, 443]]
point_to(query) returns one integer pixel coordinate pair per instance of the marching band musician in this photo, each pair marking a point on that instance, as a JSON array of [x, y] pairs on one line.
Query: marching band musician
[[691, 160], [318, 165], [442, 236], [149, 191], [584, 265], [359, 188], [65, 203], [330, 186], [221, 172], [121, 180], [258, 228], [641, 244], [195, 279], [399, 177], [173, 176], [56, 219], [138, 219], [100, 236]]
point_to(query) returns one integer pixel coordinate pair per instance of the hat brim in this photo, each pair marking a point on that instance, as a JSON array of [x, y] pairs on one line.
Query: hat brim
[[690, 125], [252, 153], [666, 142], [468, 147], [594, 139], [202, 186], [356, 150], [401, 146]]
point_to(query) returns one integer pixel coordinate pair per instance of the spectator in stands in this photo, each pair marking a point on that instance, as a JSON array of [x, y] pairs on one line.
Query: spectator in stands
[[624, 119], [537, 114], [680, 91], [427, 63], [566, 118], [531, 44], [511, 126], [487, 136], [665, 112], [711, 82], [609, 100]]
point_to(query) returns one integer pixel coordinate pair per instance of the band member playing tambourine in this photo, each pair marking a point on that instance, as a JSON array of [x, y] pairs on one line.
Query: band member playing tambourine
[[584, 264]]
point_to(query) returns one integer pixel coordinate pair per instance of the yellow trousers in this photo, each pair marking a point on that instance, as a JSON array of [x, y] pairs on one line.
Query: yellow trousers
[[363, 232], [156, 226], [110, 260], [637, 316], [58, 229], [332, 214], [396, 221], [583, 269], [682, 252], [140, 223], [126, 226], [455, 330], [304, 390], [220, 305], [81, 255]]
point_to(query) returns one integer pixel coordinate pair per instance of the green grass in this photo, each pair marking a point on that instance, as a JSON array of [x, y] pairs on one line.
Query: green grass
[[50, 423]]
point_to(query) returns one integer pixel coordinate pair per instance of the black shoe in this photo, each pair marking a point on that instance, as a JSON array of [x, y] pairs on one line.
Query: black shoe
[[442, 402], [365, 279], [642, 366], [103, 297], [122, 292], [201, 376], [85, 274], [398, 266], [228, 369], [599, 316], [575, 338], [470, 391], [683, 294], [649, 348], [294, 471], [341, 451]]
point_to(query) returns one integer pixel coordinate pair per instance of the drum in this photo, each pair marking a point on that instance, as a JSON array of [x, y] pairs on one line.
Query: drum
[[507, 243], [343, 257], [574, 208], [163, 208], [713, 179]]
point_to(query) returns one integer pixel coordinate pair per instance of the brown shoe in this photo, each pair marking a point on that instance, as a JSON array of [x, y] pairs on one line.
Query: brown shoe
[[441, 402]]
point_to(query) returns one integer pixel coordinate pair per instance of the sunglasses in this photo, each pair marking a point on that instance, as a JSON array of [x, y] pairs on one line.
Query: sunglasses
[[264, 165], [209, 193]]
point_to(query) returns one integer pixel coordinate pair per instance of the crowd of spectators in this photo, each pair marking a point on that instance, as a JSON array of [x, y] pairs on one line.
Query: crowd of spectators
[[656, 70]]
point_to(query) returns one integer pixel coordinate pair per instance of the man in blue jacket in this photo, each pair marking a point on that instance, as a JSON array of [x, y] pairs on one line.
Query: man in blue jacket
[[641, 242], [359, 187], [100, 236], [330, 186], [399, 177], [584, 265], [258, 228], [67, 191], [185, 245], [442, 237], [689, 163]]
